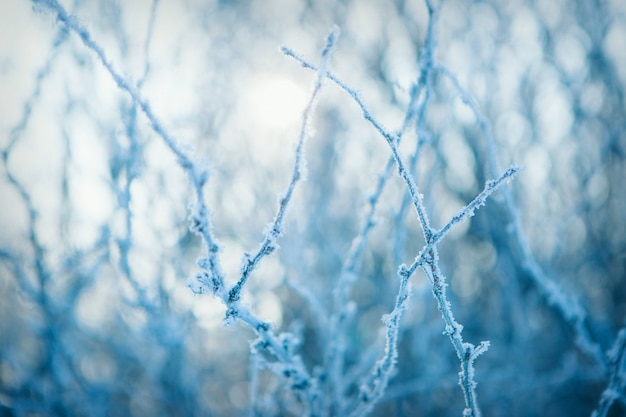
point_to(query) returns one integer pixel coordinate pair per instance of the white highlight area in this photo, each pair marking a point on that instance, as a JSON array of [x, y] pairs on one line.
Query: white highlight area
[[273, 101]]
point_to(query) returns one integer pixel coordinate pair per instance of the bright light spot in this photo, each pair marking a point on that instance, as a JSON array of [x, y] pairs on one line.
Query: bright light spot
[[209, 313], [538, 165], [461, 162], [274, 102], [571, 54], [269, 307]]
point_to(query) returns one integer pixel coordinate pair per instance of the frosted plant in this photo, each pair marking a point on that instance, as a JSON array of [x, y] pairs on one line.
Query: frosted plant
[[150, 195]]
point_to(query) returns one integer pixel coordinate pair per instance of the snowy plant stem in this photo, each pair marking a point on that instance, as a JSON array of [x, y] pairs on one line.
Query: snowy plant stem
[[200, 221], [464, 213], [275, 229], [371, 392], [466, 352], [569, 308], [199, 217]]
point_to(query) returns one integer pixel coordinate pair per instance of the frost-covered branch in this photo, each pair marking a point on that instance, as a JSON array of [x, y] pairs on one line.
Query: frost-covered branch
[[569, 308], [211, 277], [275, 229]]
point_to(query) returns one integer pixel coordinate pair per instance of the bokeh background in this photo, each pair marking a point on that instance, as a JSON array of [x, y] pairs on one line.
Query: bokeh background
[[96, 258]]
